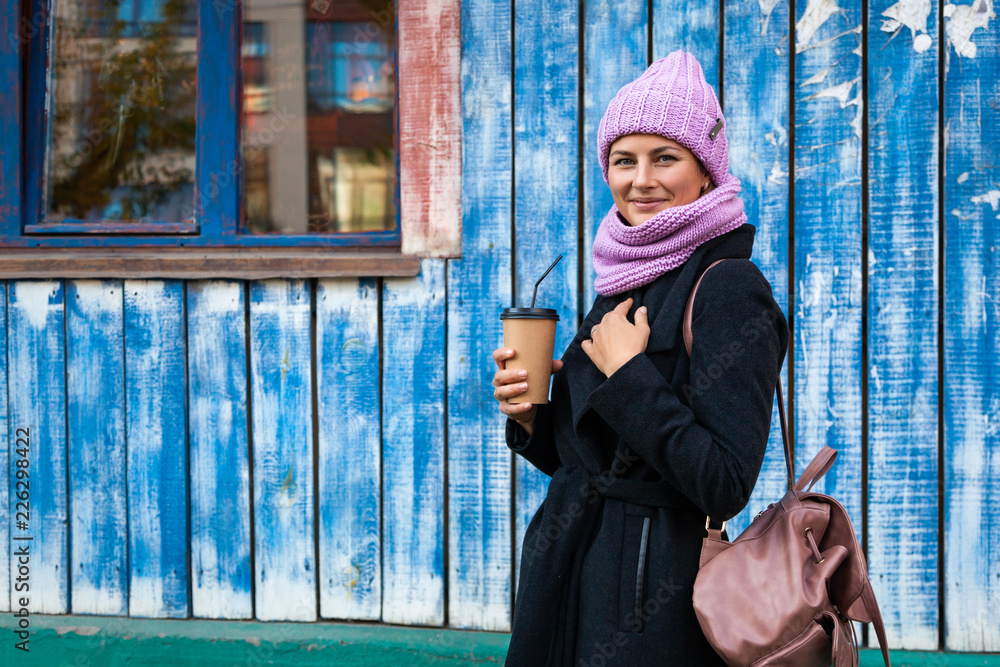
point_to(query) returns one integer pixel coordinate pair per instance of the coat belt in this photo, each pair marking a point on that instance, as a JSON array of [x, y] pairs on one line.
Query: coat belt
[[639, 492]]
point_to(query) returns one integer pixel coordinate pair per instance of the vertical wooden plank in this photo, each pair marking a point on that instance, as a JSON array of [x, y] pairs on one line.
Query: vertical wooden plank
[[95, 416], [546, 127], [347, 384], [903, 318], [219, 460], [828, 112], [614, 54], [479, 286], [413, 314], [691, 26], [971, 322], [156, 432], [36, 385], [430, 128], [10, 120], [756, 71], [8, 447], [281, 382]]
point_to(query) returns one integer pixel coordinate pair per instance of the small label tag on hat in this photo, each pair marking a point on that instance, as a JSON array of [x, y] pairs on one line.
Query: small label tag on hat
[[715, 130]]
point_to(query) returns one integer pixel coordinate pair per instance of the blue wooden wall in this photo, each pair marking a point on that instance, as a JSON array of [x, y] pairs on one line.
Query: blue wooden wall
[[330, 449]]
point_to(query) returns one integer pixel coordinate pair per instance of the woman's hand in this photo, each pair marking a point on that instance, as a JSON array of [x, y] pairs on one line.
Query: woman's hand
[[512, 383], [616, 340]]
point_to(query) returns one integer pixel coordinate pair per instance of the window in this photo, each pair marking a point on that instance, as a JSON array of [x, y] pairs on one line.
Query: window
[[244, 126], [121, 127]]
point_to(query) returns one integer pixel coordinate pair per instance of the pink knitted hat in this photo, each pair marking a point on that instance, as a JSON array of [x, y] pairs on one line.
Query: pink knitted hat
[[671, 99]]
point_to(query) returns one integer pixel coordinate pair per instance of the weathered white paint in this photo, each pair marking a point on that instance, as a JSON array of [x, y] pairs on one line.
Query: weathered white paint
[[818, 77], [859, 102], [840, 92], [962, 20], [94, 599], [221, 298], [766, 7], [856, 30], [211, 594], [817, 13], [975, 313], [777, 137], [777, 175], [96, 292], [145, 594], [913, 14], [963, 177], [992, 198], [33, 301]]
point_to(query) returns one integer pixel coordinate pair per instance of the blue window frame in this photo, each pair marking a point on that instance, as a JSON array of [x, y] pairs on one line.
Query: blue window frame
[[217, 217]]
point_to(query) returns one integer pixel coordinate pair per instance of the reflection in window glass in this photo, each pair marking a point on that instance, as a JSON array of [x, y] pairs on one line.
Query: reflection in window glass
[[348, 75], [318, 102], [122, 125]]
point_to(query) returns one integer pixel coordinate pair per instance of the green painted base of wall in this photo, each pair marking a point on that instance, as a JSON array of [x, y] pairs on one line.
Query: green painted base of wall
[[94, 641]]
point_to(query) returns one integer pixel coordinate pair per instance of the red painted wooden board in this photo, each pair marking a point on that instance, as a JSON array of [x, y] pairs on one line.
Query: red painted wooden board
[[430, 128]]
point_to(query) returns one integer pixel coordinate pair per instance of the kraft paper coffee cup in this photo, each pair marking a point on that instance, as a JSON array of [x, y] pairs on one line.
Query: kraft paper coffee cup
[[531, 333]]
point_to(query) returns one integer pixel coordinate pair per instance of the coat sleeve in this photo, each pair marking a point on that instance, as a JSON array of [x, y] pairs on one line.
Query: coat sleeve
[[539, 448], [713, 450]]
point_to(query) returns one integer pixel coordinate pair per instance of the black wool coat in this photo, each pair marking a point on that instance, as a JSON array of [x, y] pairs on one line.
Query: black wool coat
[[637, 462]]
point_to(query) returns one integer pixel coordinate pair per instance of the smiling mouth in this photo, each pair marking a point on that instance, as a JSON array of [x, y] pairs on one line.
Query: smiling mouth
[[652, 203]]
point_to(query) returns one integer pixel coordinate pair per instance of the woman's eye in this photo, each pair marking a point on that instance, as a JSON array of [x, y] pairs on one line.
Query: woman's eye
[[623, 161], [666, 158]]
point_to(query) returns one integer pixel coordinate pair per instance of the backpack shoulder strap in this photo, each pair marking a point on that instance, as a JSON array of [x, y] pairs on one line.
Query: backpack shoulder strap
[[689, 308]]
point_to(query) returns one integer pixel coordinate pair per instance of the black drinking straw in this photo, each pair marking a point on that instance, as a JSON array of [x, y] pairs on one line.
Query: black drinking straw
[[535, 293]]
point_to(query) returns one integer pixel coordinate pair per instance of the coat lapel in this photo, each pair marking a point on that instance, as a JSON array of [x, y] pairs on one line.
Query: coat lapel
[[582, 377], [665, 299]]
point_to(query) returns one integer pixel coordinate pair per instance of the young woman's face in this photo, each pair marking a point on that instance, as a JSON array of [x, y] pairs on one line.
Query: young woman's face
[[648, 173]]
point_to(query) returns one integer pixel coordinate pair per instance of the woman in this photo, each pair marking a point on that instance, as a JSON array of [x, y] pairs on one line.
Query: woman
[[643, 442]]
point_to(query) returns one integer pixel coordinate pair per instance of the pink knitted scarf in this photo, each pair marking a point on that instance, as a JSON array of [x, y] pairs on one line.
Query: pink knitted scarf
[[626, 257]]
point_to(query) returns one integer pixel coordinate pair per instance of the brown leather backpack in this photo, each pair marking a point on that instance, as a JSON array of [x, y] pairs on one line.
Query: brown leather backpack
[[786, 590]]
